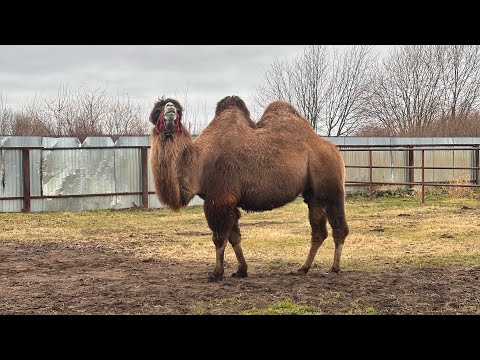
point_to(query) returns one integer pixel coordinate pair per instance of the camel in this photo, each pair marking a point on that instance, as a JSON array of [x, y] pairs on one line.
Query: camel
[[237, 163]]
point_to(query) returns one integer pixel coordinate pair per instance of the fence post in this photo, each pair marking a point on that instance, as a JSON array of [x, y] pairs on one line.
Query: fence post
[[144, 177], [26, 179], [423, 176], [411, 170], [370, 172], [476, 156]]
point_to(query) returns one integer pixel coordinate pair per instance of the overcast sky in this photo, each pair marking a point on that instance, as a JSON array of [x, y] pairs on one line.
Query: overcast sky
[[207, 72]]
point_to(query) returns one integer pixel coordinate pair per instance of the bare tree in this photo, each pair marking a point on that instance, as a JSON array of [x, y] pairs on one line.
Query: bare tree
[[123, 117], [309, 74], [406, 97], [31, 121], [328, 90], [62, 112], [460, 69], [277, 84], [92, 108], [301, 83], [347, 92], [6, 117]]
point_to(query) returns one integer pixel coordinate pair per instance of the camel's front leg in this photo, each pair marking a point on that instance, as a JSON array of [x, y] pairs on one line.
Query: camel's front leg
[[222, 216]]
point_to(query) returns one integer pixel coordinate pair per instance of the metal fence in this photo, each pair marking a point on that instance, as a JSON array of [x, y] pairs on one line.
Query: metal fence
[[453, 165], [62, 174]]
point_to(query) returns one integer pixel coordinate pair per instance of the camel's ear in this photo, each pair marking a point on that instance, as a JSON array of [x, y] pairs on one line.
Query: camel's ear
[[154, 115]]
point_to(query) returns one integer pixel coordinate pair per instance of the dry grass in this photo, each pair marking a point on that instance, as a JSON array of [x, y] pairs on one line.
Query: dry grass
[[456, 192], [385, 233], [459, 191]]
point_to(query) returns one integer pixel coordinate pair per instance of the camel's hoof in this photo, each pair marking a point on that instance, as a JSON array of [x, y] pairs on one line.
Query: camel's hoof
[[298, 272], [239, 274], [215, 278], [333, 271]]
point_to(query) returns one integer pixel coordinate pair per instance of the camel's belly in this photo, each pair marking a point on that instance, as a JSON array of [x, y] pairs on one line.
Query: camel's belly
[[262, 199]]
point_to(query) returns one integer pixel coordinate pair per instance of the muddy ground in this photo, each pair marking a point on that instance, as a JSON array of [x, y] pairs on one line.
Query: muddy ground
[[60, 278]]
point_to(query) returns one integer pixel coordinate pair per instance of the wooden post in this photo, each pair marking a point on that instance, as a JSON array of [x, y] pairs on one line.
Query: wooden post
[[26, 179], [476, 156], [144, 177], [370, 172], [411, 162]]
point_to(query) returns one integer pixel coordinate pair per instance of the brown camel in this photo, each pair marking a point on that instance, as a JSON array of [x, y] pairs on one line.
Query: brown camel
[[235, 162]]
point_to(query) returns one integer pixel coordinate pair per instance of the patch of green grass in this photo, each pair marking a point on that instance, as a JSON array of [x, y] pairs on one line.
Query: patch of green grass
[[228, 301], [200, 311], [356, 308], [284, 307]]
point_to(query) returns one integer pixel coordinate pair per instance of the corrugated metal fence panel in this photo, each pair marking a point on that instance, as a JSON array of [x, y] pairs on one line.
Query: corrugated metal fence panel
[[389, 158], [128, 170], [444, 158], [463, 158], [82, 171], [12, 163], [128, 177], [133, 141], [2, 174], [359, 158], [195, 201], [12, 180], [98, 173], [62, 175], [440, 158], [35, 179], [27, 141]]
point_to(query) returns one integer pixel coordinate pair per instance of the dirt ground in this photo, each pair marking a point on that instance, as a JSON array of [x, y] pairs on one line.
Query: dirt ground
[[79, 278]]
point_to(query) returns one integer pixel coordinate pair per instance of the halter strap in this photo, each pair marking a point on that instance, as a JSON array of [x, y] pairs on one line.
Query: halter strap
[[160, 125]]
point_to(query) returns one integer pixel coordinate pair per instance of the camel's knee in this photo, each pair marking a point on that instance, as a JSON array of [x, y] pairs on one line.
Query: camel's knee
[[340, 226], [323, 231], [318, 222], [338, 221], [235, 237], [219, 239]]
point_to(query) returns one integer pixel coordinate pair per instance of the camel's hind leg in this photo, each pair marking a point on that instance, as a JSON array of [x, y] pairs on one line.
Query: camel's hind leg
[[336, 217], [220, 241], [235, 240], [318, 222]]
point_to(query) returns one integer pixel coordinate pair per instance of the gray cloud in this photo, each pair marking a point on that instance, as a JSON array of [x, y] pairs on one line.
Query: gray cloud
[[144, 72]]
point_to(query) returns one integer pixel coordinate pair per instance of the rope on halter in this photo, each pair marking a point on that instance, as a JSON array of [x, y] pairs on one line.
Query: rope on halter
[[160, 125]]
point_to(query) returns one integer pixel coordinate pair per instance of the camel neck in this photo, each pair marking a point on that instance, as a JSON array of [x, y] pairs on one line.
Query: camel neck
[[172, 163]]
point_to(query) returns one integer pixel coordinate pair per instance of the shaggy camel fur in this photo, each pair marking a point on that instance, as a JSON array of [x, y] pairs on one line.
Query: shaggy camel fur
[[237, 163]]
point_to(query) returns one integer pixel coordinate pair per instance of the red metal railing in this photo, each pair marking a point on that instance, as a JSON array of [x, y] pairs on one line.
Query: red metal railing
[[474, 182]]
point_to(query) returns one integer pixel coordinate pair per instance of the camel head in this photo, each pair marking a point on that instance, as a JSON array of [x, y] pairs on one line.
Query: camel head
[[166, 117]]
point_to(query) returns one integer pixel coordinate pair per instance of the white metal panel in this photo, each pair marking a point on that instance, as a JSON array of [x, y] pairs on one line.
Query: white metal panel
[[128, 177], [12, 180], [62, 175]]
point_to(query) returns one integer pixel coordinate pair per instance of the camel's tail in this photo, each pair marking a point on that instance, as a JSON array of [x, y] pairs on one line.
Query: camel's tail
[[230, 102]]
